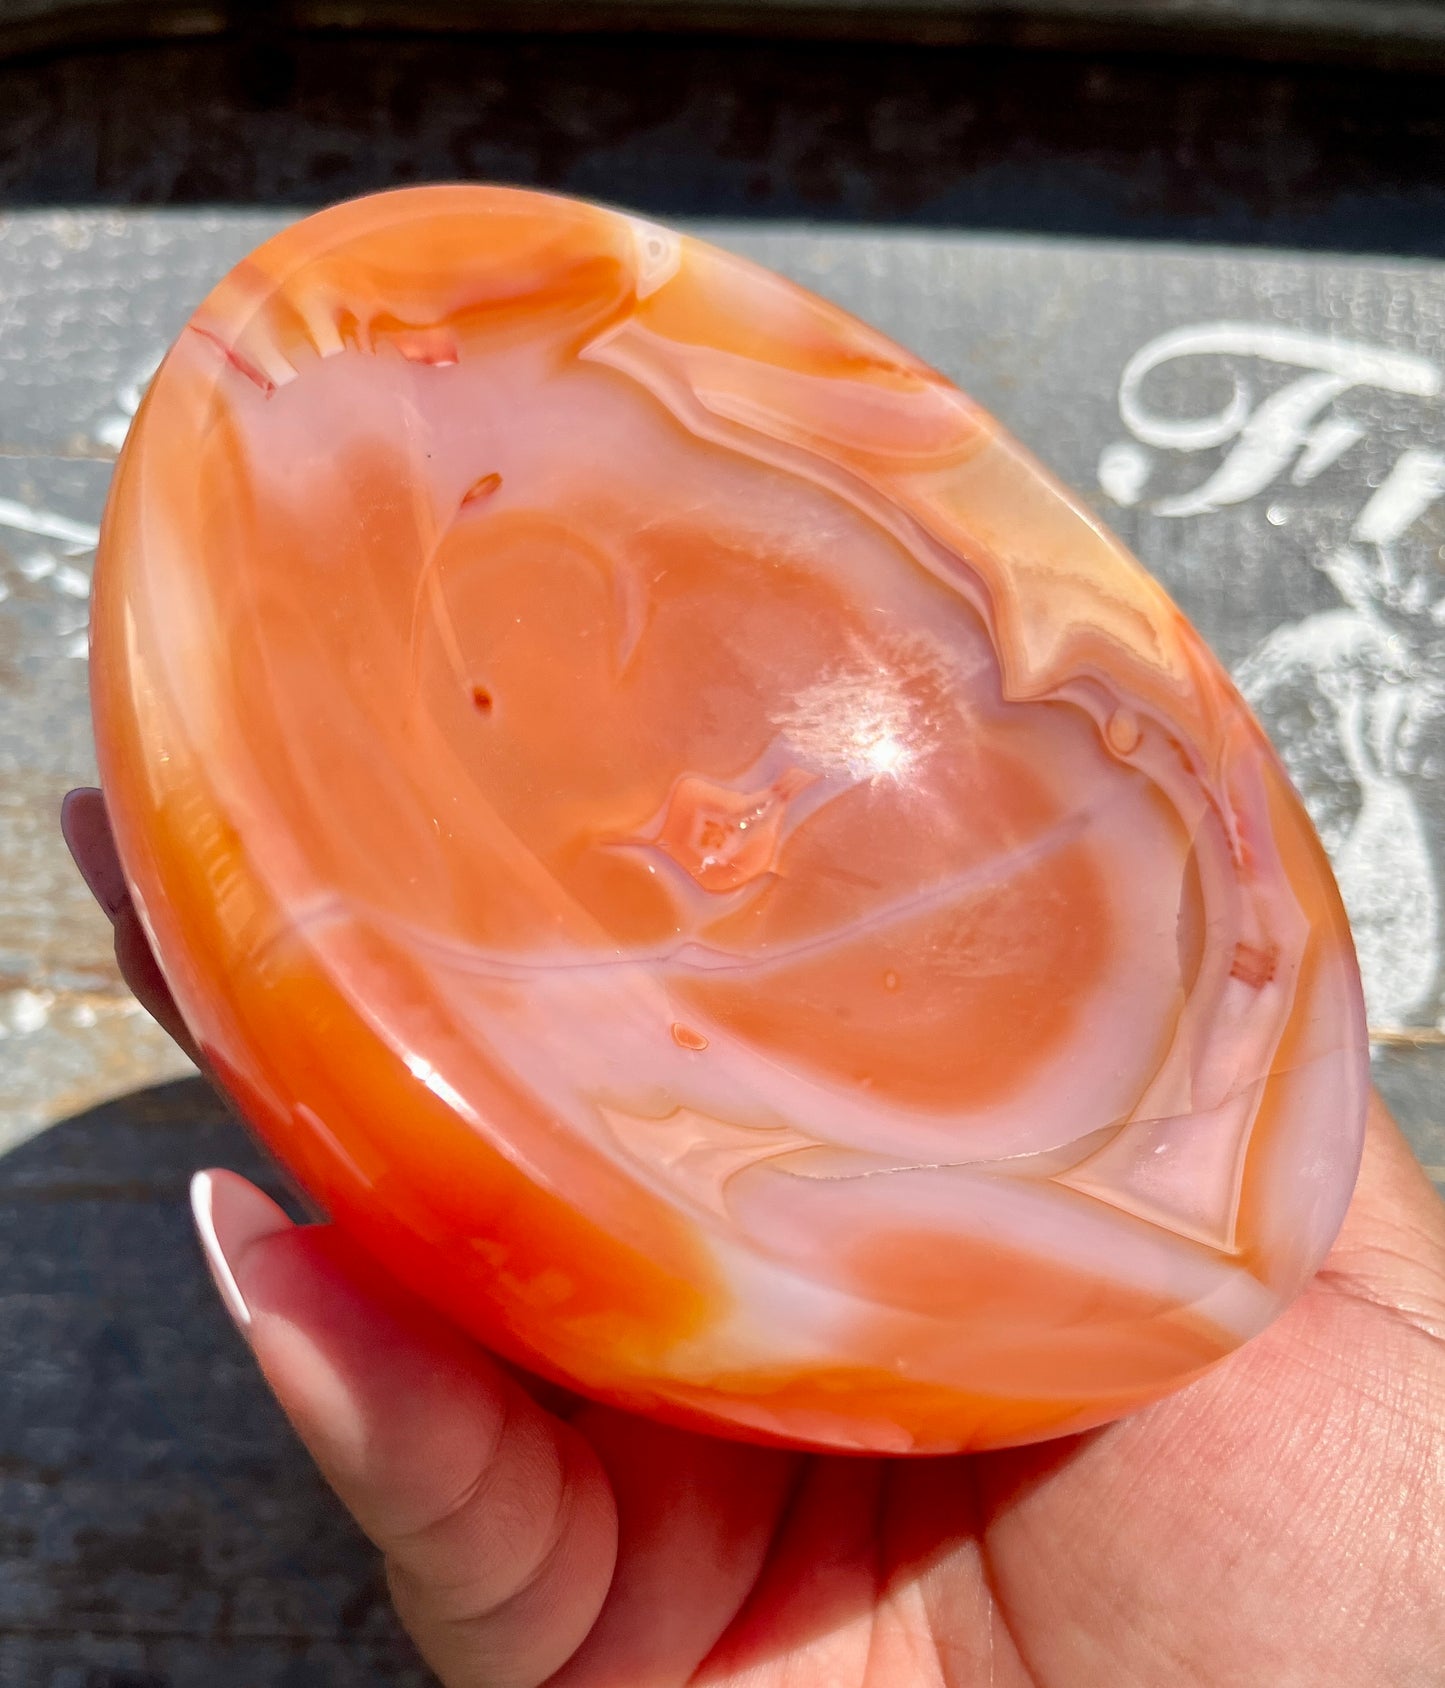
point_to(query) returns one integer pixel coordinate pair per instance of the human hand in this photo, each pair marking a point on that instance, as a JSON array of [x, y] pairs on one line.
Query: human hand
[[1281, 1522]]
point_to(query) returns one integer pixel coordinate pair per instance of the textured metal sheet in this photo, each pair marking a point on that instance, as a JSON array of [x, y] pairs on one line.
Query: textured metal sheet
[[155, 1517], [1291, 565]]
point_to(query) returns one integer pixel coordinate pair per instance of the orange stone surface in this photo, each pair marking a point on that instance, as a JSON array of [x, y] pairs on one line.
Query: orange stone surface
[[697, 853]]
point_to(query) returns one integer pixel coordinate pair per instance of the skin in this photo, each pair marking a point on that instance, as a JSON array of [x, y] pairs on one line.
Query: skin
[[1279, 1523]]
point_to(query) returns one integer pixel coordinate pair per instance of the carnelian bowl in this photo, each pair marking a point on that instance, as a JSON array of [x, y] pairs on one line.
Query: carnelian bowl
[[698, 854]]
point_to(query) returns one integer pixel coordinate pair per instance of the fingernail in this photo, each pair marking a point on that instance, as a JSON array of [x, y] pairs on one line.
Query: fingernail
[[231, 1216], [86, 830]]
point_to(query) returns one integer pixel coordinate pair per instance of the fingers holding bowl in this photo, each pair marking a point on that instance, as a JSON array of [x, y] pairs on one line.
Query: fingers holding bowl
[[85, 826], [498, 1525]]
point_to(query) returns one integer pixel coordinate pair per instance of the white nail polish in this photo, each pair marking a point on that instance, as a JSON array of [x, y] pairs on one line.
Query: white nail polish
[[203, 1194]]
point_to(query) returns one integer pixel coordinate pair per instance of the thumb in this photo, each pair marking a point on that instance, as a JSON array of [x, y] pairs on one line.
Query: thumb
[[1391, 1250], [497, 1523]]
